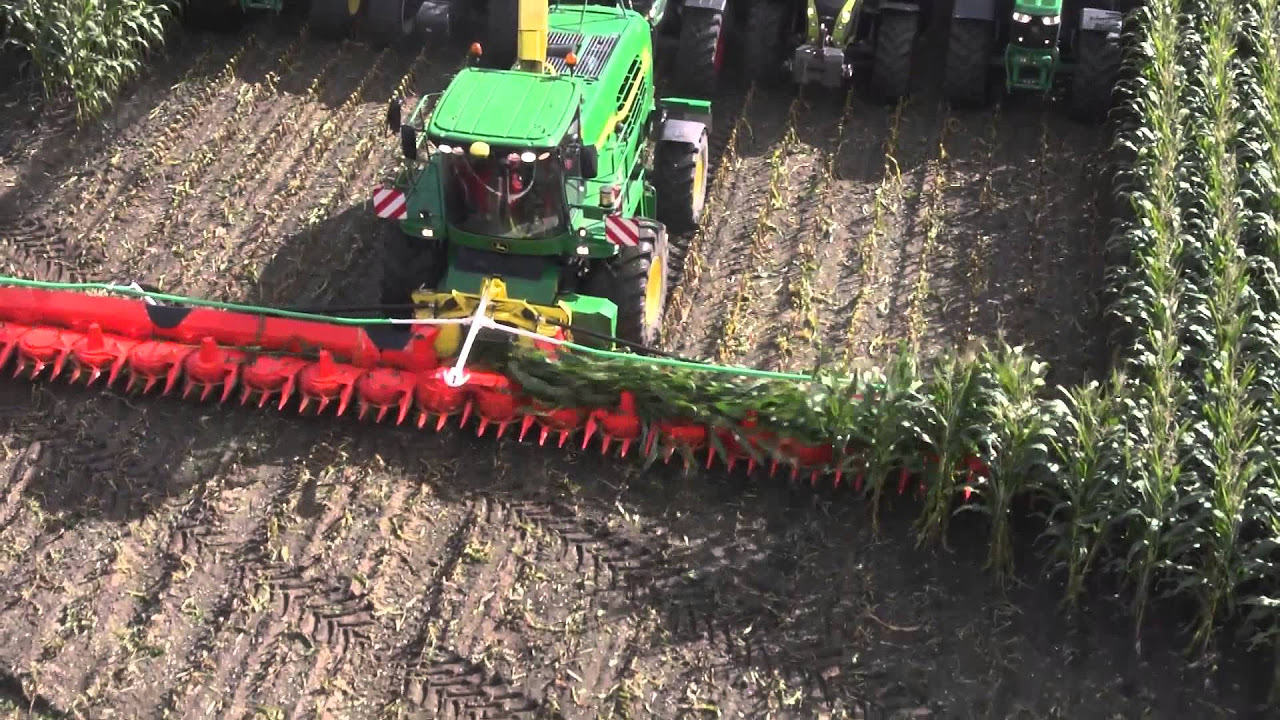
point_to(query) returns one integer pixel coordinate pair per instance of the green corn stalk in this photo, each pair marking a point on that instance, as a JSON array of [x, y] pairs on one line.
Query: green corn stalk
[[1087, 492], [86, 49]]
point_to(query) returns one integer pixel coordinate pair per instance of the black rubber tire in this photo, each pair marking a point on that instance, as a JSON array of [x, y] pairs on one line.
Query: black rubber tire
[[767, 21], [700, 56], [680, 201], [390, 22], [966, 77], [501, 41], [624, 280], [1092, 88], [332, 19], [221, 16], [895, 44], [408, 263]]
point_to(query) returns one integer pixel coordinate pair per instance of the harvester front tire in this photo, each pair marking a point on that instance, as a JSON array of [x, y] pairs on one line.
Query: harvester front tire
[[390, 22], [1098, 63], [408, 264], [966, 78], [680, 178], [333, 19], [891, 66], [637, 280], [700, 56], [766, 23]]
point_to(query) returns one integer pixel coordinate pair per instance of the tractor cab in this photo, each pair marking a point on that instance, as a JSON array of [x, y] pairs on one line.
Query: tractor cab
[[504, 191]]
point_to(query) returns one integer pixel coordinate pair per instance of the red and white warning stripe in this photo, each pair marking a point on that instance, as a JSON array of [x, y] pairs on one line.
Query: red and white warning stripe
[[621, 231], [390, 203]]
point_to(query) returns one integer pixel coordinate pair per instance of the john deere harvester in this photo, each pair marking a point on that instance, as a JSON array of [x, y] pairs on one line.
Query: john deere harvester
[[1038, 46], [826, 41], [383, 21], [530, 183]]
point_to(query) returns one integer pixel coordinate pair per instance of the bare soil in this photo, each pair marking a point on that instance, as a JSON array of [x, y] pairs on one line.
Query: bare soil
[[160, 558]]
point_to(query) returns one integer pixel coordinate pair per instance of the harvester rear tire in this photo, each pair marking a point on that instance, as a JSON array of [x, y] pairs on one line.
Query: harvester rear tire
[[700, 56], [895, 43], [391, 21], [766, 24], [333, 19], [966, 78], [682, 195], [625, 279], [408, 264], [1098, 62]]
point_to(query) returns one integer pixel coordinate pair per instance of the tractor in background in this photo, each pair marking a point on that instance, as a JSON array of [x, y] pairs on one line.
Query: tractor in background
[[1038, 45], [527, 191], [385, 22], [827, 41]]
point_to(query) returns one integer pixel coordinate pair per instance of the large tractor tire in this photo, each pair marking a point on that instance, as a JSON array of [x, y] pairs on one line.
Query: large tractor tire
[[408, 264], [891, 66], [680, 178], [637, 281], [1098, 63], [966, 77], [501, 42], [221, 16], [390, 22], [333, 19], [700, 56], [767, 23]]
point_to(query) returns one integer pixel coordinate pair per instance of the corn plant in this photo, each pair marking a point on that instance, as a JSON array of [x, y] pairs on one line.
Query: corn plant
[[86, 49], [1088, 487]]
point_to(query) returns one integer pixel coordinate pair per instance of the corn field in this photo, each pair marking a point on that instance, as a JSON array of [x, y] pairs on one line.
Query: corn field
[[85, 50]]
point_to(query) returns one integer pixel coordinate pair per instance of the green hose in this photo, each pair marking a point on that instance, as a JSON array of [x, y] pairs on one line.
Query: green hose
[[362, 321]]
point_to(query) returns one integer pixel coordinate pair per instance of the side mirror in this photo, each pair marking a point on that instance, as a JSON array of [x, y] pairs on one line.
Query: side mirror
[[393, 116], [408, 142], [589, 157]]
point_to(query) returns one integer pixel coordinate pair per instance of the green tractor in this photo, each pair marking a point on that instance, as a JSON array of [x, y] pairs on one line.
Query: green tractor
[[827, 41], [382, 21], [527, 194], [1039, 45]]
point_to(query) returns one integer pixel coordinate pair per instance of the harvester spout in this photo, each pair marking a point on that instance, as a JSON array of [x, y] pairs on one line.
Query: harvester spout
[[532, 34]]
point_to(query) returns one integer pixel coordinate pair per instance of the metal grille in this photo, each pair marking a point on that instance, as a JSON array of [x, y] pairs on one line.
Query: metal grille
[[591, 59]]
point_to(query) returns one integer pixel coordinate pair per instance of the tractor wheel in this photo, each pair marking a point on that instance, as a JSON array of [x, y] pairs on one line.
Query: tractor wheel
[[501, 44], [701, 52], [332, 19], [391, 21], [966, 80], [1097, 69], [891, 67], [636, 280], [213, 15], [767, 21], [680, 173], [408, 264]]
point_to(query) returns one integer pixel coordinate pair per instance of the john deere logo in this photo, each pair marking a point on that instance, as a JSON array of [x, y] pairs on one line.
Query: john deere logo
[[500, 247]]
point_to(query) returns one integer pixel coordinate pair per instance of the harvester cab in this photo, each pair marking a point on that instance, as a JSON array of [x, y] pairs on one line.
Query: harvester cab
[[1040, 46], [827, 41], [525, 196]]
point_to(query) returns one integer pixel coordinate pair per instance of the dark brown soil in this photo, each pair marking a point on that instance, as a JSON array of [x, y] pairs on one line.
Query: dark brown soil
[[160, 558]]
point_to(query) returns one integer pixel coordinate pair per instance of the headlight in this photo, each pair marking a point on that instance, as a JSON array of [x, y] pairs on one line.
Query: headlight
[[1019, 17], [1051, 19]]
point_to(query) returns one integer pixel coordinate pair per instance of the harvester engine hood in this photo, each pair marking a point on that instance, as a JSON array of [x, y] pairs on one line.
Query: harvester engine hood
[[1036, 24]]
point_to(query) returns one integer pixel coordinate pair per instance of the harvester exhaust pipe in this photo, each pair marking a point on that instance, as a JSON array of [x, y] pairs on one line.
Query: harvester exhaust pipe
[[531, 50]]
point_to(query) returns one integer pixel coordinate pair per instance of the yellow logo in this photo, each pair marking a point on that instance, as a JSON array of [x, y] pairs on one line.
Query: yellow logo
[[500, 247]]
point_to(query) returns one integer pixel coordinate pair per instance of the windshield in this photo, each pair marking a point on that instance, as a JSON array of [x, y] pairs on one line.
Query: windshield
[[511, 193]]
